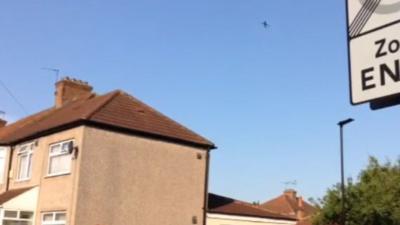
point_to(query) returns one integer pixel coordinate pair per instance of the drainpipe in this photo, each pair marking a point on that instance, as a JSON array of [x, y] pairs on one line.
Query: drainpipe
[[12, 148], [206, 187]]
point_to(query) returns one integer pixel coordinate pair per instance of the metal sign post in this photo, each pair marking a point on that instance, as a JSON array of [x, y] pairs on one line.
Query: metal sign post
[[374, 51]]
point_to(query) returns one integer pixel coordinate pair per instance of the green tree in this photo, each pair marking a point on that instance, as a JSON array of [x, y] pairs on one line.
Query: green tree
[[374, 199]]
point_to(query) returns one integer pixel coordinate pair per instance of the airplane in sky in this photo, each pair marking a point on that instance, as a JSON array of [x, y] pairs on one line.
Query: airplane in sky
[[265, 24]]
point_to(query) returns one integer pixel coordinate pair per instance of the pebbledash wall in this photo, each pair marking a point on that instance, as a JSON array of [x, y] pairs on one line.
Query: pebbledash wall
[[58, 193], [118, 179], [125, 179], [54, 193]]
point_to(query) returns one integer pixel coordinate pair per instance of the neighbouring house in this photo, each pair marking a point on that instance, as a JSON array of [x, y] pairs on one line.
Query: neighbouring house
[[292, 205], [223, 210], [101, 160]]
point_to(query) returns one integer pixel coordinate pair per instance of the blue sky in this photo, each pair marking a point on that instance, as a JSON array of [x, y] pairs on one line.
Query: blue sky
[[270, 99]]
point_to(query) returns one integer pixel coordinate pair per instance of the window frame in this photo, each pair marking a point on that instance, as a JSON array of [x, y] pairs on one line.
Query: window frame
[[28, 150], [54, 155], [54, 221], [18, 216]]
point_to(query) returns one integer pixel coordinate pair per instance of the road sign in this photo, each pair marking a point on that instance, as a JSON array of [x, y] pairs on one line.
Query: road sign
[[374, 49]]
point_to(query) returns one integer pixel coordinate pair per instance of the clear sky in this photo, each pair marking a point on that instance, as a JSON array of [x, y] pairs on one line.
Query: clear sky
[[269, 98]]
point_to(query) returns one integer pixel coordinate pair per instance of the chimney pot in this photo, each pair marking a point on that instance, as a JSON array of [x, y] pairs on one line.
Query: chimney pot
[[70, 89], [291, 193]]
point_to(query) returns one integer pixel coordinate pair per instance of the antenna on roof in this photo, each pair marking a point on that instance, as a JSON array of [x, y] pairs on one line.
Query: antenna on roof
[[56, 72], [290, 184]]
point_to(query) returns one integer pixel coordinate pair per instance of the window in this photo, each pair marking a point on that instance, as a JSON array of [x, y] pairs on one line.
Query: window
[[25, 154], [60, 158], [17, 217], [2, 163], [54, 218]]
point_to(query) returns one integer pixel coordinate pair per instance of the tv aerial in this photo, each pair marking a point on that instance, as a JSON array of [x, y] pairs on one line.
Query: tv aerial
[[290, 184], [55, 71]]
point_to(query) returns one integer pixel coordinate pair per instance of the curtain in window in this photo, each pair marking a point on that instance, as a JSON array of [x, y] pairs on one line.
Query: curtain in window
[[55, 218], [23, 166], [60, 164]]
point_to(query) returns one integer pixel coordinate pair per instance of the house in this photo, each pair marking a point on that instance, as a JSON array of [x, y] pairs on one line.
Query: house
[[292, 205], [101, 160], [223, 210]]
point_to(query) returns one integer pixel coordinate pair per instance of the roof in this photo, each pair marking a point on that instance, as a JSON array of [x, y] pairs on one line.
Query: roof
[[287, 205], [8, 195], [228, 206], [115, 110]]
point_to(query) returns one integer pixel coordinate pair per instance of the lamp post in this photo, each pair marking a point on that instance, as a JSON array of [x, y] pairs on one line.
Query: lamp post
[[341, 125]]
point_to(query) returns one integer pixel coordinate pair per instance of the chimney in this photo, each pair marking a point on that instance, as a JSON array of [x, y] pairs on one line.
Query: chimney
[[301, 202], [69, 89], [300, 206], [291, 193], [2, 123]]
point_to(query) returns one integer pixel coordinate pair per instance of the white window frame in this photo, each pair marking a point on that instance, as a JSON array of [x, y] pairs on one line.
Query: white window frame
[[26, 149], [54, 221], [18, 217], [53, 155]]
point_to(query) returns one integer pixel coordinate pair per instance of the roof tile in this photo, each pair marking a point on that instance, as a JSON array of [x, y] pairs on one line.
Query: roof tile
[[289, 206], [116, 109], [223, 205]]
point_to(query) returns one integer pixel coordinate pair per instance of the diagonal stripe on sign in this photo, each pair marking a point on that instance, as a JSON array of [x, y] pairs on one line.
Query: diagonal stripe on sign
[[363, 13], [363, 16]]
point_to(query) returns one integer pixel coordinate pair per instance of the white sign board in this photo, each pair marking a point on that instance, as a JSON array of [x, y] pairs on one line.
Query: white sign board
[[374, 45]]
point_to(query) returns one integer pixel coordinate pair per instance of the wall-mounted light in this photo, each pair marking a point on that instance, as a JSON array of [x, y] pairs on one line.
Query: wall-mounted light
[[73, 150], [70, 147], [194, 220]]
